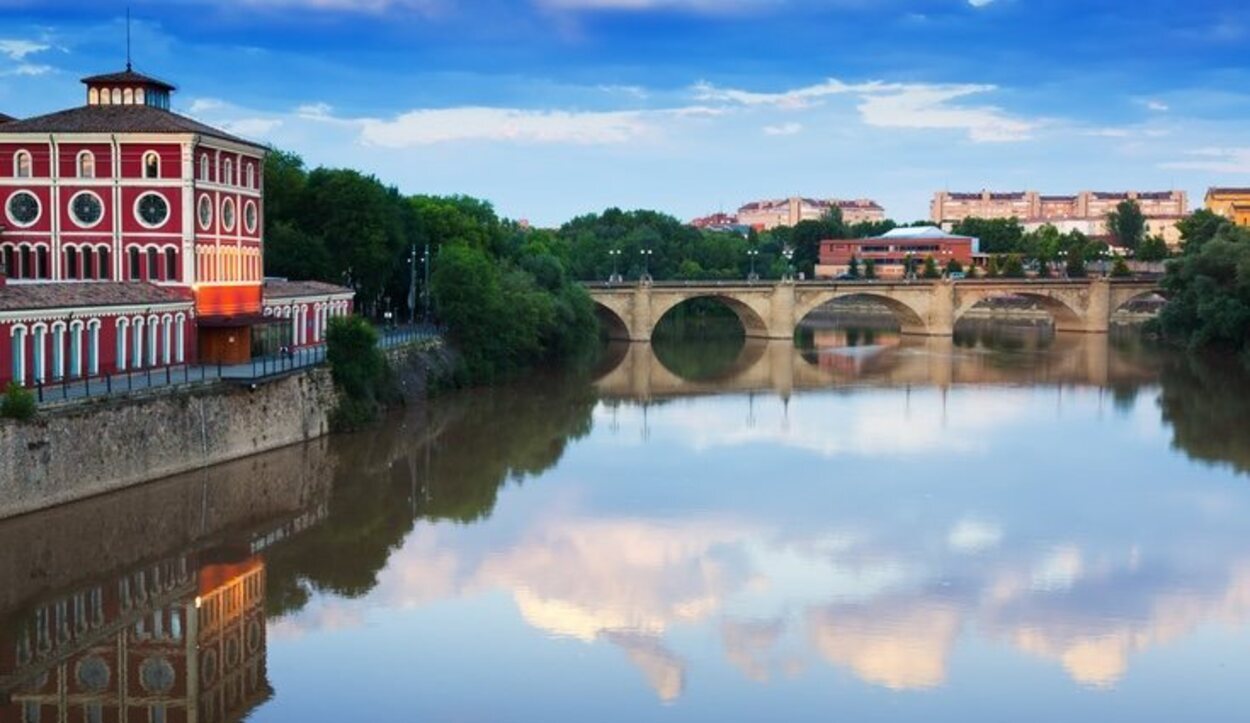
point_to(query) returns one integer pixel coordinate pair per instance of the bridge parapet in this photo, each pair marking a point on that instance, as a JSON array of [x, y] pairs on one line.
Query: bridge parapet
[[774, 310]]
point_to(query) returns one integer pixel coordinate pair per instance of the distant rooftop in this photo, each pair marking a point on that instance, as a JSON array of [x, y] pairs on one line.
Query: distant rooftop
[[920, 232], [128, 77], [283, 289], [76, 294], [6, 118]]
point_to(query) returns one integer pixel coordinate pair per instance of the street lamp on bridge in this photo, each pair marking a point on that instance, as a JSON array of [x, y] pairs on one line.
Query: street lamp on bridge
[[615, 254], [646, 265], [789, 254], [751, 254]]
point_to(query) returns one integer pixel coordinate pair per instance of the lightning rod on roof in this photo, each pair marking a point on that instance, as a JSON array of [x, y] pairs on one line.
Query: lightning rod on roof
[[127, 37]]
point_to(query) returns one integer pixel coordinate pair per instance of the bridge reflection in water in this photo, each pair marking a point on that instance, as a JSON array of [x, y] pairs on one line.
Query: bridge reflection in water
[[634, 371]]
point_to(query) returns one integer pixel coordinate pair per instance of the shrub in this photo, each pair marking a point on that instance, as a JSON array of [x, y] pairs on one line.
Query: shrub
[[870, 269], [1013, 268], [18, 403], [359, 370], [954, 267], [1119, 269], [931, 269]]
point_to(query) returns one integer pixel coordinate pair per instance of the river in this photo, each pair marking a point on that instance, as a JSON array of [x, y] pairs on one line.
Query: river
[[1011, 525]]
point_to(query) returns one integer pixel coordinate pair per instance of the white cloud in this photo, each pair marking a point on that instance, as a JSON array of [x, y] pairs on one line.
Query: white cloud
[[18, 49], [1215, 160], [252, 127], [894, 105], [979, 3], [425, 127], [28, 69], [784, 129], [1157, 105], [973, 536], [702, 6]]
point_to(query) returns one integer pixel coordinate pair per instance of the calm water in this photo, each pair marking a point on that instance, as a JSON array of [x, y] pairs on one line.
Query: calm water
[[1010, 526]]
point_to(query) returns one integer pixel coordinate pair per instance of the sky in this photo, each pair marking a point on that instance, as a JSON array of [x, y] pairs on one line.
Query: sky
[[555, 108]]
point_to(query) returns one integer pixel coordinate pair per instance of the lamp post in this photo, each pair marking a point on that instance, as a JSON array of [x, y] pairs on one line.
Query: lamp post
[[616, 276], [412, 284], [425, 291], [646, 265], [789, 254], [751, 254]]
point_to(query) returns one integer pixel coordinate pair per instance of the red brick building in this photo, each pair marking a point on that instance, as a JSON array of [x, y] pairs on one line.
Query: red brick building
[[141, 228], [889, 252]]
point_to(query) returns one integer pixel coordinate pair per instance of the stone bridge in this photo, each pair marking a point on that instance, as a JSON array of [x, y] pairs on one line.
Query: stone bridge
[[774, 310]]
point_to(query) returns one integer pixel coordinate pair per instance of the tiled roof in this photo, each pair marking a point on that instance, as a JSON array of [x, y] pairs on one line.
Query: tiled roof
[[62, 295], [1227, 189], [278, 289], [130, 77], [117, 119]]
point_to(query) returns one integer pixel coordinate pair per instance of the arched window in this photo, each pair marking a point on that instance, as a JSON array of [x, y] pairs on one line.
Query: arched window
[[41, 256], [128, 97], [93, 97], [228, 173], [75, 349], [167, 329], [93, 347], [136, 273], [204, 167], [88, 263], [117, 96], [171, 265], [136, 353], [21, 164], [251, 175], [151, 165], [11, 268], [58, 350], [28, 264], [122, 327], [180, 345], [141, 97], [40, 337], [71, 263], [106, 269], [86, 164], [154, 268], [154, 328], [17, 349]]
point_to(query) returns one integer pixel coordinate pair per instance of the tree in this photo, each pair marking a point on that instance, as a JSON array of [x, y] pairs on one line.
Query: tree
[[954, 267], [1154, 248], [1127, 224], [997, 235], [1201, 226], [296, 254], [970, 272], [1074, 265], [853, 270], [1209, 293], [870, 269], [359, 370], [1119, 269], [931, 269], [992, 270], [1013, 268]]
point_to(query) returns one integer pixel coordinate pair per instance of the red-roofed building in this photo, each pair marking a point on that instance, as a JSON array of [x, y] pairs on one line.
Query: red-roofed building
[[131, 238]]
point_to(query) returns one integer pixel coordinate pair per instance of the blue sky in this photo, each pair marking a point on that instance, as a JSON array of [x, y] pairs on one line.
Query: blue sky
[[551, 108]]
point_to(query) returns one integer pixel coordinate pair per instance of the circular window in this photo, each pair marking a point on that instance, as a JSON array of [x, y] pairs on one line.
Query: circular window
[[93, 674], [249, 216], [152, 210], [86, 208], [23, 209], [227, 214], [205, 211], [156, 675]]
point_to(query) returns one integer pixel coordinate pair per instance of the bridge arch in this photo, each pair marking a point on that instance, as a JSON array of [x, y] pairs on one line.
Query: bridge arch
[[611, 322], [752, 320], [1061, 311], [911, 319]]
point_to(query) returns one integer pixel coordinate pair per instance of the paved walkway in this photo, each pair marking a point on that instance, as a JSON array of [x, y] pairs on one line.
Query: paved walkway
[[258, 370]]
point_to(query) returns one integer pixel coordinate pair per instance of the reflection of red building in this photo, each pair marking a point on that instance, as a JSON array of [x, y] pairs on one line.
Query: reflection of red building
[[131, 237], [163, 643], [888, 252]]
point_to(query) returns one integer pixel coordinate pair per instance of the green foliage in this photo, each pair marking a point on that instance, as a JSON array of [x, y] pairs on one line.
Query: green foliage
[[18, 403], [295, 253], [359, 370], [1013, 267], [1074, 265], [992, 269], [998, 235], [971, 272], [1154, 248], [1120, 269], [931, 269], [853, 269], [503, 317], [1201, 226], [870, 269], [1209, 293], [1127, 224]]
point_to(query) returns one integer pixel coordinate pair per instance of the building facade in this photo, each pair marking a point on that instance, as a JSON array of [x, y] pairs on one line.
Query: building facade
[[769, 214], [1232, 203], [130, 226], [1085, 211], [890, 251]]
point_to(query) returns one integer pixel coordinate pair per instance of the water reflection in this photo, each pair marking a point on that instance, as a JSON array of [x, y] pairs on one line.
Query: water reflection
[[863, 514]]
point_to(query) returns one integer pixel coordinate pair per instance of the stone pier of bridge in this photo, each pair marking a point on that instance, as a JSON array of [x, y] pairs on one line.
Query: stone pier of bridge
[[931, 308]]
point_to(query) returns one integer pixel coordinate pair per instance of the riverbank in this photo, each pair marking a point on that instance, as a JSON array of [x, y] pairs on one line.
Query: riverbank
[[86, 450]]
